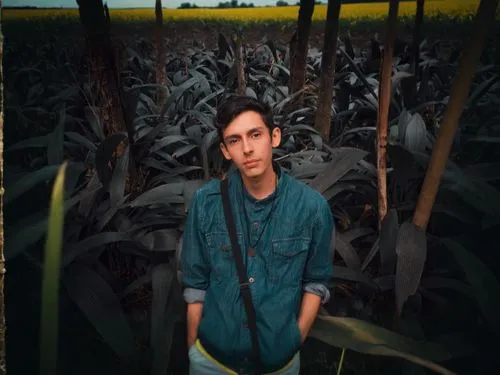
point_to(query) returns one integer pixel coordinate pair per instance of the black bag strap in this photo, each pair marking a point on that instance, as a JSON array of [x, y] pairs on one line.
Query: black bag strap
[[243, 280]]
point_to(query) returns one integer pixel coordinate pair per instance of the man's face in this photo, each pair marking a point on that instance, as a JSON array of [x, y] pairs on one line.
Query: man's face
[[248, 143]]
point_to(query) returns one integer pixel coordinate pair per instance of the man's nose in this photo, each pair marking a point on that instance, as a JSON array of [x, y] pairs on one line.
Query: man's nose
[[247, 146]]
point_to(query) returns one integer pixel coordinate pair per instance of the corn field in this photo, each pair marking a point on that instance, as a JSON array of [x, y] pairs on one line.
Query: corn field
[[413, 292], [452, 9]]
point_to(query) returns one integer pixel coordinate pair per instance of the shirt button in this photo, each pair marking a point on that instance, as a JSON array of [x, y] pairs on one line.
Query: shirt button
[[255, 224], [251, 280]]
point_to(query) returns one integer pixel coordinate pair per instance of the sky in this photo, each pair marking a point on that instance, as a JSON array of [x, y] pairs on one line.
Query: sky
[[127, 3]]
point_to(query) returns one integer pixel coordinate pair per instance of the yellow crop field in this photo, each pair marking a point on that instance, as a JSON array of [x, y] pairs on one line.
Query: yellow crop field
[[349, 12]]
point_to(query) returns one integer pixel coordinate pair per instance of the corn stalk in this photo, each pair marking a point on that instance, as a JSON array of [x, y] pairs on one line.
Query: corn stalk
[[104, 74], [415, 53], [239, 61], [160, 53], [325, 96], [458, 96], [94, 16], [3, 366], [383, 110], [298, 47]]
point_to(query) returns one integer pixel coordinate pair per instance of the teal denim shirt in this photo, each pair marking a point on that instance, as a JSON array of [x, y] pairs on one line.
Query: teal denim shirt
[[292, 256]]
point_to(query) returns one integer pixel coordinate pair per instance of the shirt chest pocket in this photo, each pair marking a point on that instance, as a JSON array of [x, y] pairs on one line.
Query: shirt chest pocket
[[221, 255], [289, 259]]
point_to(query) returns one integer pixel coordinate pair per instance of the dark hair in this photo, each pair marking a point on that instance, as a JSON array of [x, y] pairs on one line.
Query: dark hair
[[234, 105]]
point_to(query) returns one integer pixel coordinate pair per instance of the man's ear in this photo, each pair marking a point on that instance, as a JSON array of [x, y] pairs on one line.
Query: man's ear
[[276, 137], [224, 151]]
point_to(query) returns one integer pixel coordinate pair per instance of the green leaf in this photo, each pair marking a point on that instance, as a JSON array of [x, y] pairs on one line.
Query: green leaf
[[169, 106], [183, 150], [162, 319], [102, 308], [415, 135], [343, 160], [388, 239], [34, 142], [26, 182], [160, 240], [344, 273], [31, 229], [485, 139], [163, 194], [168, 140], [117, 184], [55, 147], [411, 251], [74, 251], [485, 285], [358, 73], [81, 140], [364, 337], [94, 121], [50, 281], [347, 252]]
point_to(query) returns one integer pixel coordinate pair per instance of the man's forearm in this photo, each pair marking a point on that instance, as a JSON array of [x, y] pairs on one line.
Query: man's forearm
[[308, 312], [194, 314]]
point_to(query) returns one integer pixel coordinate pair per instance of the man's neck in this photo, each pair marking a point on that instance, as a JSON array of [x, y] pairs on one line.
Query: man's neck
[[262, 186]]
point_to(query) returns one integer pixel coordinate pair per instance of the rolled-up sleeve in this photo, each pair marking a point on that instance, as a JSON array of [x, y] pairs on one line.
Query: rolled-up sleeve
[[194, 260], [319, 268]]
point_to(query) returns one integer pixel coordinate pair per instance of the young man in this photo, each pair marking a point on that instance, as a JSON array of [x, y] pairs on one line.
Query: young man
[[284, 230]]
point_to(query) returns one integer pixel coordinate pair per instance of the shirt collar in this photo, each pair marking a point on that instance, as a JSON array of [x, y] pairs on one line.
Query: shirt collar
[[235, 176]]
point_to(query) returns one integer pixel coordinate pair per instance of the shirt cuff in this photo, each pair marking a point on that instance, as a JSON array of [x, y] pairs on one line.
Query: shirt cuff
[[318, 289], [192, 295]]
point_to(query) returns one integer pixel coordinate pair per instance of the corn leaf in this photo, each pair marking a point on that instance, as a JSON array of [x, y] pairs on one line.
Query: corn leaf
[[364, 337], [343, 160], [411, 250], [102, 308], [162, 319], [28, 181], [485, 285], [50, 282]]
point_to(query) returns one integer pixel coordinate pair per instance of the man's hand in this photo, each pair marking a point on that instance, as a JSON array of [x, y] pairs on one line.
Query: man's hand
[[308, 312], [194, 314]]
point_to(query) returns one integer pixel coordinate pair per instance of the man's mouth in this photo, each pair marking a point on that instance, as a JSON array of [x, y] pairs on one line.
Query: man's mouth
[[250, 163]]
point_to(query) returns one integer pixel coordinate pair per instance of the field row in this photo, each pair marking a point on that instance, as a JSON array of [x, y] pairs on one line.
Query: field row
[[349, 12]]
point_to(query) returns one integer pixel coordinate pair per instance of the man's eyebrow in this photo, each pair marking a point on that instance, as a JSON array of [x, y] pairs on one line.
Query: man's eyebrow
[[256, 128]]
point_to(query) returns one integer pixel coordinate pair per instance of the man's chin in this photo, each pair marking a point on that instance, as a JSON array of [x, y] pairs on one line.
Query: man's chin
[[251, 172]]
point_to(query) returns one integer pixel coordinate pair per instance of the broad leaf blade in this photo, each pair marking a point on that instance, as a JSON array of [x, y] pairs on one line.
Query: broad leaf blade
[[411, 251], [26, 182], [347, 252], [94, 241], [388, 238], [343, 160], [117, 184], [31, 229], [160, 240], [485, 285], [50, 283], [102, 308], [55, 147], [163, 194], [368, 338], [162, 319]]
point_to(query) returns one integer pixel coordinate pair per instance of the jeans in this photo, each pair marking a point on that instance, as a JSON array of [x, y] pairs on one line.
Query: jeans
[[201, 364]]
